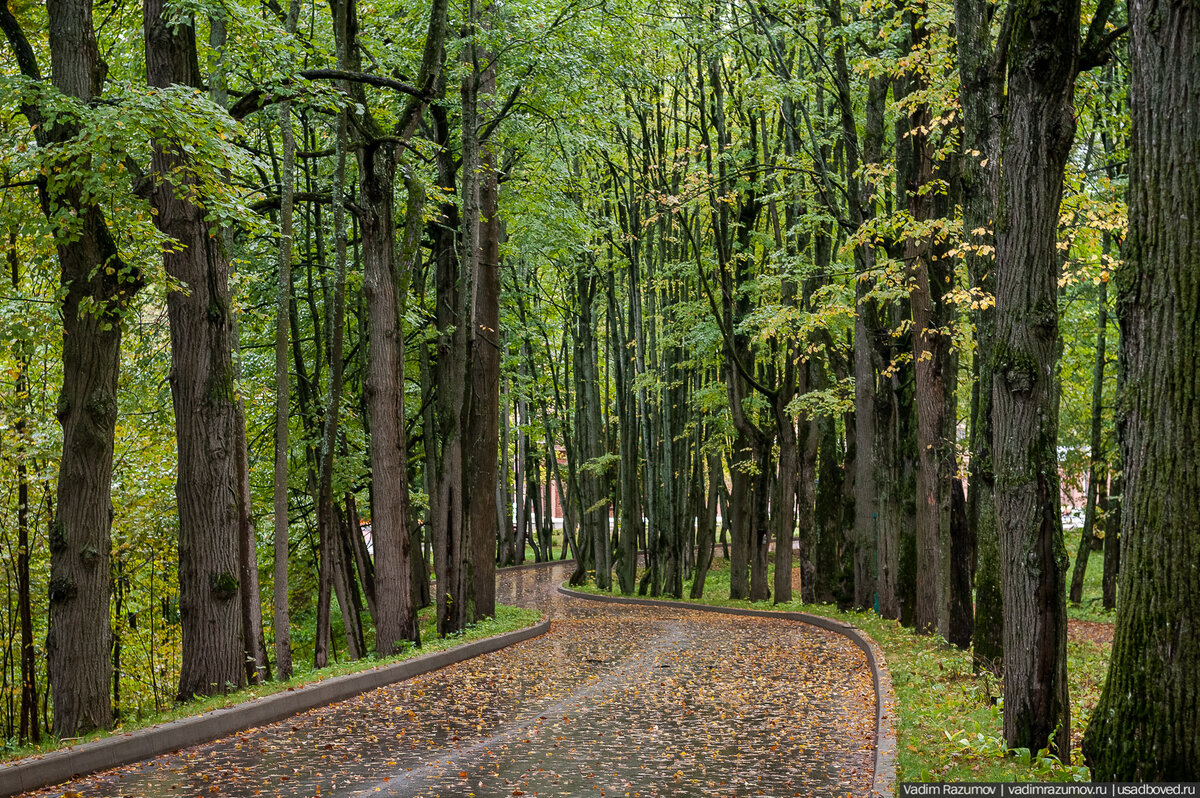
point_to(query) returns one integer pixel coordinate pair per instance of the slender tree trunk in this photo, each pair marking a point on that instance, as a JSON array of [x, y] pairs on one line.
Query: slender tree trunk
[[1097, 473], [1112, 542], [980, 96], [482, 438], [707, 533], [447, 510], [254, 649], [254, 644], [358, 554], [28, 728], [962, 557], [827, 512], [519, 477], [783, 505], [508, 541], [1147, 724], [344, 587], [281, 613], [875, 562]]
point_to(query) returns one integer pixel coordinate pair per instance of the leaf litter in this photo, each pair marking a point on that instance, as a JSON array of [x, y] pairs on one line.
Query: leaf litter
[[613, 701]]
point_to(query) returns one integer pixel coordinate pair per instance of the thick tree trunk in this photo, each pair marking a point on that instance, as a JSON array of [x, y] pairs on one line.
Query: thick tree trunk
[[395, 619], [1039, 128], [203, 394], [77, 644], [1147, 724]]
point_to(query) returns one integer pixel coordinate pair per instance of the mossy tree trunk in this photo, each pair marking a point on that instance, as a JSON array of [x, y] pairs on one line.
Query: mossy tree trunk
[[1147, 724], [1039, 127], [202, 392], [981, 90]]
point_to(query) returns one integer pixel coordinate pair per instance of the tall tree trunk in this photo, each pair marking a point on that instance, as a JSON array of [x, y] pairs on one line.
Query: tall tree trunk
[[332, 566], [1097, 473], [203, 394], [980, 95], [77, 644], [1039, 128], [281, 613], [28, 729], [254, 649], [447, 509], [254, 643], [384, 285], [1147, 724], [505, 498], [875, 560], [483, 438], [931, 356]]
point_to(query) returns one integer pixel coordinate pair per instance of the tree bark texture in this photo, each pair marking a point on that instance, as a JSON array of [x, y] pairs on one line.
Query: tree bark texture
[[1039, 127], [92, 276], [483, 430], [281, 612], [203, 395], [448, 517], [1147, 724], [980, 95]]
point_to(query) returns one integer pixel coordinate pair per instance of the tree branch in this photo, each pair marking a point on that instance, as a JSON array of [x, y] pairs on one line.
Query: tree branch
[[259, 99]]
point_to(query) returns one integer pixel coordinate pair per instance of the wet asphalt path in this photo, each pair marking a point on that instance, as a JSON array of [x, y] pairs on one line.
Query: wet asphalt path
[[613, 701]]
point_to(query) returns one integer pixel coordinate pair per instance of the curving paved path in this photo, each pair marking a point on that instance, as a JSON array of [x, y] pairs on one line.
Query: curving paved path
[[613, 701]]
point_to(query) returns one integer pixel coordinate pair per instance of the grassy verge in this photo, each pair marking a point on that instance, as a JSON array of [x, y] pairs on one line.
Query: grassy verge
[[949, 726], [508, 619]]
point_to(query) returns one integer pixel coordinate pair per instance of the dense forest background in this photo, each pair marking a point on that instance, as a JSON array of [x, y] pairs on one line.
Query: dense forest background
[[326, 300]]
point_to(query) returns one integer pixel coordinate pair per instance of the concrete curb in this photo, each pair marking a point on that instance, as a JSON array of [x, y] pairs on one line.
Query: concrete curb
[[122, 749], [530, 566], [883, 782]]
